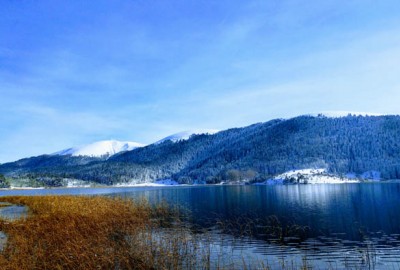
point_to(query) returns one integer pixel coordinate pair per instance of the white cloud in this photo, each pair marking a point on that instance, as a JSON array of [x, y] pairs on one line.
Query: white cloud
[[39, 130], [128, 78]]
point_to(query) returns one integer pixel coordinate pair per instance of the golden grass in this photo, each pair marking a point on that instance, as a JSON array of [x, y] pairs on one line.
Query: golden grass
[[82, 232], [72, 232]]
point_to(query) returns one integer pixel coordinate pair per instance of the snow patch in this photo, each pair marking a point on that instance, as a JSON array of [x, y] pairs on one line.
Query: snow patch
[[72, 183], [185, 135], [100, 149], [308, 176], [159, 183], [302, 172]]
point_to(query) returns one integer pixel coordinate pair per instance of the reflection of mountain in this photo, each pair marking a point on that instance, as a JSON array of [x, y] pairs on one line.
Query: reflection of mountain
[[327, 209], [350, 145]]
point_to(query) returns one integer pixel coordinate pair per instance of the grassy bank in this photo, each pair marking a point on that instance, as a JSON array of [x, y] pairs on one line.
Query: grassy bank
[[72, 232], [96, 232]]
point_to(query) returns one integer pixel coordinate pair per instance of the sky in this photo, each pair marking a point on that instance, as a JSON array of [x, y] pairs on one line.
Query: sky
[[75, 72]]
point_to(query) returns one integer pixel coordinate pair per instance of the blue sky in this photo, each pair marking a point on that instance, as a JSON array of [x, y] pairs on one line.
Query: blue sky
[[74, 72]]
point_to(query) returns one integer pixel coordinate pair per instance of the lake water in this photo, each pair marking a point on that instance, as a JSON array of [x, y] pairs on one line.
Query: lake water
[[339, 226]]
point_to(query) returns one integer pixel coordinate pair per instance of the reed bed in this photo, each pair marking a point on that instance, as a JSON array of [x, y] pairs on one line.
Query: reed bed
[[72, 232], [96, 232], [82, 232]]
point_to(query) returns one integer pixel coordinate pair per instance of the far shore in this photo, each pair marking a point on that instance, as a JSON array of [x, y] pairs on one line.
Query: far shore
[[155, 185]]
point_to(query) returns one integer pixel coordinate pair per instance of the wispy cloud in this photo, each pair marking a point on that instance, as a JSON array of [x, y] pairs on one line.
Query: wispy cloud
[[72, 74]]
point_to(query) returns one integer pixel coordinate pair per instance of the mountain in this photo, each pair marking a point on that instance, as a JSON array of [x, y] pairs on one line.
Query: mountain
[[109, 148], [356, 146], [185, 135], [100, 149]]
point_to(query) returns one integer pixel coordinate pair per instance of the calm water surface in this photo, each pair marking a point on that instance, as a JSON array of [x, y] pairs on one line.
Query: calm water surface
[[345, 226]]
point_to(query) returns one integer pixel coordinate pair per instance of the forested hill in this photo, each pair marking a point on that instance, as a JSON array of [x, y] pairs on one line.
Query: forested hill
[[351, 144]]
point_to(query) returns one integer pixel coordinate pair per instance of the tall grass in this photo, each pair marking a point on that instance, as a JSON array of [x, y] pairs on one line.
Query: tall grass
[[82, 232], [65, 232], [79, 232]]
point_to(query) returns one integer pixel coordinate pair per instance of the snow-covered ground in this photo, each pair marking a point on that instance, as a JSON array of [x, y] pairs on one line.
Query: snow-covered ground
[[12, 187], [101, 148], [185, 135], [109, 148], [308, 176], [159, 183], [76, 183]]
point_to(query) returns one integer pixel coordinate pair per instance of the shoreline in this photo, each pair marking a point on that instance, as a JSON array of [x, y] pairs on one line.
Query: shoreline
[[153, 185]]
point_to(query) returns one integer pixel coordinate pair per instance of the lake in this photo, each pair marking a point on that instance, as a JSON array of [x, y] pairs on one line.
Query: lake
[[327, 225]]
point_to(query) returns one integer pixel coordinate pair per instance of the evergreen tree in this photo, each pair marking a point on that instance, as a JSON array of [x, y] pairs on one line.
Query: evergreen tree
[[4, 183]]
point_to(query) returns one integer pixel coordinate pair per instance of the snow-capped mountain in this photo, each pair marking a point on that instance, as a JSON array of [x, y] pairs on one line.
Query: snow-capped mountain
[[301, 149], [185, 135], [100, 149]]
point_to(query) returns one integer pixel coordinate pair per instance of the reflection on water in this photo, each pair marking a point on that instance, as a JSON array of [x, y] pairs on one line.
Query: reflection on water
[[13, 212], [314, 253], [10, 212], [350, 225], [352, 209]]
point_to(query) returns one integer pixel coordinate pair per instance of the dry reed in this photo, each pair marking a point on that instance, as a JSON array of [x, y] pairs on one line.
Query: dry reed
[[72, 232], [83, 232]]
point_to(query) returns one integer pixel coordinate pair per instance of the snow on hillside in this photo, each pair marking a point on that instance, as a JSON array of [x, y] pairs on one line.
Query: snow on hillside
[[159, 183], [336, 114], [185, 135], [112, 147], [309, 176], [101, 148]]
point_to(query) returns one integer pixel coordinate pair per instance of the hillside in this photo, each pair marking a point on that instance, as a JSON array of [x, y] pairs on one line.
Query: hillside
[[351, 145]]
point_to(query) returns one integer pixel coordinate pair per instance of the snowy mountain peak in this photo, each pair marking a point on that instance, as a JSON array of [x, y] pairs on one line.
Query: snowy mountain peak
[[185, 135], [99, 149]]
